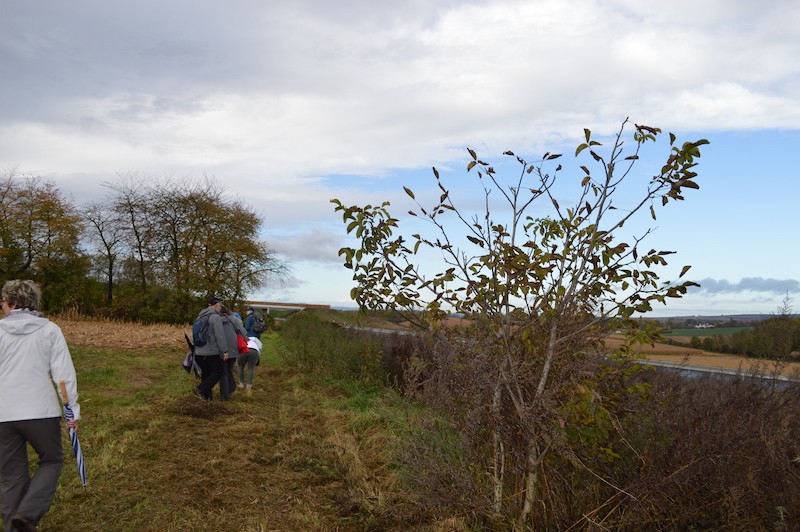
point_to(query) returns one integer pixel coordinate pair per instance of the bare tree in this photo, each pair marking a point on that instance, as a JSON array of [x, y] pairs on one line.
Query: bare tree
[[108, 234], [129, 197]]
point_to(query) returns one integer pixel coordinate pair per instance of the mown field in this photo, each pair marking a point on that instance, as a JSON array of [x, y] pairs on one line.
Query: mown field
[[296, 455]]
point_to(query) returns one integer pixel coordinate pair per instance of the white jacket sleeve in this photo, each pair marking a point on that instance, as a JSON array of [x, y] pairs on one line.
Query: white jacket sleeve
[[62, 368]]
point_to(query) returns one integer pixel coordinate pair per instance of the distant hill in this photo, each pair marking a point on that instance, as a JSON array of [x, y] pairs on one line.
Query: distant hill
[[716, 318]]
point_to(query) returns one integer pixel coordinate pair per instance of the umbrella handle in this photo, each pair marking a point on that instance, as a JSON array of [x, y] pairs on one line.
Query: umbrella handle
[[63, 387]]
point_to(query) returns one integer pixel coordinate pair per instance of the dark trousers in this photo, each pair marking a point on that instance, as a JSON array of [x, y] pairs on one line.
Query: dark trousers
[[248, 359], [211, 369], [227, 383], [20, 493]]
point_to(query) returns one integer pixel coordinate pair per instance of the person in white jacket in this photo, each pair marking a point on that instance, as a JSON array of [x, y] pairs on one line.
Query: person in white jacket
[[249, 359], [33, 356]]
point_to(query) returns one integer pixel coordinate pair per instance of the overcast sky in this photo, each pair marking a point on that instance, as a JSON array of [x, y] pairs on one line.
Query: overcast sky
[[290, 104]]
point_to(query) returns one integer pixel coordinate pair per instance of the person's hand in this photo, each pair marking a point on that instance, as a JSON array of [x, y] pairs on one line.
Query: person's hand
[[73, 424], [224, 356]]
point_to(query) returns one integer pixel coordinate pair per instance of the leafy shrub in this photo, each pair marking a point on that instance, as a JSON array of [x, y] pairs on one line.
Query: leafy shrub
[[682, 453]]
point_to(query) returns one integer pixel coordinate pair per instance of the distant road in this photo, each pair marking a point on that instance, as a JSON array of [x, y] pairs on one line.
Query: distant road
[[698, 370], [726, 364]]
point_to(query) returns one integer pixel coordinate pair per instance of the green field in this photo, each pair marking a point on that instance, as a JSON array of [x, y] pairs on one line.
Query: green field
[[716, 331]]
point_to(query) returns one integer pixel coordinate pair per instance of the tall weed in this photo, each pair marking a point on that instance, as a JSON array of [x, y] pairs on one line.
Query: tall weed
[[314, 345]]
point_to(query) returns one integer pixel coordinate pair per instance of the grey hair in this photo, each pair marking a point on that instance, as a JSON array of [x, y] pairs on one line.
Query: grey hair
[[22, 293]]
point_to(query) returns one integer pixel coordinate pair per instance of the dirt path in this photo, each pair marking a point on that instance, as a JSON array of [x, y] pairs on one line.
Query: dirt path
[[271, 467]]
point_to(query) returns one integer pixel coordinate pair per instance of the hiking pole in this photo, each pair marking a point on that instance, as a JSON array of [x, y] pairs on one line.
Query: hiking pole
[[73, 435]]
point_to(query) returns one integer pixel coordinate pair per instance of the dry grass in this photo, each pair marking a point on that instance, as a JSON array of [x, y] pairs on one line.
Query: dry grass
[[160, 459], [112, 334], [286, 458]]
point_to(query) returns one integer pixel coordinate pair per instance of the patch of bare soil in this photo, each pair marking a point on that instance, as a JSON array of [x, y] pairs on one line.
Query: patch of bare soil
[[736, 362], [615, 340]]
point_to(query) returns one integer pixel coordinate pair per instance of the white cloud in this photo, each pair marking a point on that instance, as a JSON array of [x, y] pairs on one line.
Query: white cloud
[[289, 104], [748, 284]]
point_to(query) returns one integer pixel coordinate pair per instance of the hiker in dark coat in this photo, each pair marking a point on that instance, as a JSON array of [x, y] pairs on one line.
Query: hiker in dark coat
[[249, 323], [211, 357]]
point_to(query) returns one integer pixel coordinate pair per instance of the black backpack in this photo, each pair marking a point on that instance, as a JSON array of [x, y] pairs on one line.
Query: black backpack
[[259, 325], [200, 331]]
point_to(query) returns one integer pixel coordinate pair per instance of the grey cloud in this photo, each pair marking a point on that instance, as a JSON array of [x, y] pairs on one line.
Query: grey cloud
[[356, 87], [98, 49], [314, 246], [286, 285], [748, 284]]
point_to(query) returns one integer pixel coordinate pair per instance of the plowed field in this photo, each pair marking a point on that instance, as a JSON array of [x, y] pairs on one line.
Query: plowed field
[[698, 357]]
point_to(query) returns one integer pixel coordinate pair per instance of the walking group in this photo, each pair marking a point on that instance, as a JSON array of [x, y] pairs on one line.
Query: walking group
[[221, 343], [34, 356]]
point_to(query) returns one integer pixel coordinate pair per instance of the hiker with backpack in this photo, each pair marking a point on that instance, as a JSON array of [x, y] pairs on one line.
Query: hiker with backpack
[[212, 347], [254, 323]]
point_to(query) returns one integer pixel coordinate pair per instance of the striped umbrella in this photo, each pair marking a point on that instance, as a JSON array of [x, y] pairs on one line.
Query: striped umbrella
[[73, 436]]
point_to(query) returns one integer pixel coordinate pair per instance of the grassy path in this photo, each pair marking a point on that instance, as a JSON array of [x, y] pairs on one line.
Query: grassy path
[[160, 459]]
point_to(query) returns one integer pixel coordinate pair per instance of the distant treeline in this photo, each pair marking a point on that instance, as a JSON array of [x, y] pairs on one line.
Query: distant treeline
[[777, 337], [147, 250]]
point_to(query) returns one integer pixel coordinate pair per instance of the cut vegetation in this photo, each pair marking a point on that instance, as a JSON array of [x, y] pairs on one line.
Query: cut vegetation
[[285, 458]]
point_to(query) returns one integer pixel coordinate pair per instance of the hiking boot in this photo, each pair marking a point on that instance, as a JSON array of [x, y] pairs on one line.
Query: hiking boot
[[240, 385], [196, 391], [20, 522]]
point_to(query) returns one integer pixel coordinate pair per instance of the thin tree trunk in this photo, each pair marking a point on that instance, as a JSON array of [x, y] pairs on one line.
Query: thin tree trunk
[[531, 483], [499, 455], [534, 454]]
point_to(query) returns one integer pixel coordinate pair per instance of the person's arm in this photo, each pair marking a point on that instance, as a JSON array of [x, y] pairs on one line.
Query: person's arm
[[215, 321], [62, 369]]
